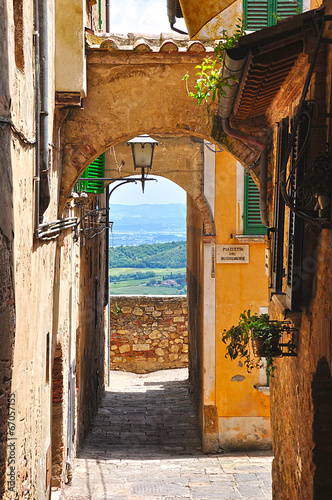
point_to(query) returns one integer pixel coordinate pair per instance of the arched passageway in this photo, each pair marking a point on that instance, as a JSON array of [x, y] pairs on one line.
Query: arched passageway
[[130, 92]]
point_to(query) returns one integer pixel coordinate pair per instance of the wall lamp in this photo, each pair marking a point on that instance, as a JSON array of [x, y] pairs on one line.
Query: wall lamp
[[142, 148]]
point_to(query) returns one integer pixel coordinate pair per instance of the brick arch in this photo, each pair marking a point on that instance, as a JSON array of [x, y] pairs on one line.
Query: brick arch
[[131, 93]]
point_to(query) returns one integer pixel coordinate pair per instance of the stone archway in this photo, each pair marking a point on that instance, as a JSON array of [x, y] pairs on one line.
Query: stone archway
[[131, 92], [177, 158]]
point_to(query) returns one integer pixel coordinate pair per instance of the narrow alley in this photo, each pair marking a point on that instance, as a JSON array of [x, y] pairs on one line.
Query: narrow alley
[[144, 445]]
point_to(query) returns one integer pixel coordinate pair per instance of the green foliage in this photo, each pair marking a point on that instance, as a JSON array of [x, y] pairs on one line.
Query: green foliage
[[210, 82], [157, 255], [116, 309], [253, 327], [127, 282]]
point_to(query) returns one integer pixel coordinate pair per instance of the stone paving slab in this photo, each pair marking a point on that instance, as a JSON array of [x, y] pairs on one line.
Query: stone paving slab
[[145, 446]]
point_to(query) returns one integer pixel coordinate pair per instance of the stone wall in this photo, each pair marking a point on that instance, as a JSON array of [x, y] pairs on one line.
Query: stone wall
[[148, 333]]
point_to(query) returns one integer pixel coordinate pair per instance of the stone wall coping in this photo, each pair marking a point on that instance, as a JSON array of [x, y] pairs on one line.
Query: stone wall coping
[[155, 43], [147, 297]]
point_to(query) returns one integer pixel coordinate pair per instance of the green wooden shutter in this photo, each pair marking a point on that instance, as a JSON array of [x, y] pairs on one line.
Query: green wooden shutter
[[286, 8], [95, 169], [251, 216], [256, 14], [259, 14]]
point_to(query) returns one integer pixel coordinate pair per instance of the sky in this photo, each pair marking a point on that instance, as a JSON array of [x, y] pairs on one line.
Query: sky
[[161, 192], [148, 17], [141, 16]]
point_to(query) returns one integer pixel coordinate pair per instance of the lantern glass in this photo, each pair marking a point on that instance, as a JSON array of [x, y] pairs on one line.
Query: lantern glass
[[142, 149], [142, 154]]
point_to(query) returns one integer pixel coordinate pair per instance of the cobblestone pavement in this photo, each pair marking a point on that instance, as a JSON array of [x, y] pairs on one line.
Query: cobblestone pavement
[[144, 445]]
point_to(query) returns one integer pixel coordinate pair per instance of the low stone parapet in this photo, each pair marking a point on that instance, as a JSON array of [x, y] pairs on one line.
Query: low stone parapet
[[148, 333]]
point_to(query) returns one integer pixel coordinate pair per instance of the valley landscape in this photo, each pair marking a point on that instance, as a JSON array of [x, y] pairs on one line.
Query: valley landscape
[[147, 253]]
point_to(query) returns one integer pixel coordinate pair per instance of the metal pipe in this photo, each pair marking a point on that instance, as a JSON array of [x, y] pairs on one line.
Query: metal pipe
[[234, 63], [263, 147], [50, 228], [37, 98], [44, 193], [108, 16]]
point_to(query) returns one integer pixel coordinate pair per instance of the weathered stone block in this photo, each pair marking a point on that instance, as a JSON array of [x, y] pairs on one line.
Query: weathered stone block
[[141, 347], [155, 334], [159, 351], [138, 311], [178, 319], [124, 348]]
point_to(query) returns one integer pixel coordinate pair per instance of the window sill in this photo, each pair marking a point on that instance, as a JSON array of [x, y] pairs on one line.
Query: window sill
[[279, 301], [250, 238], [265, 389]]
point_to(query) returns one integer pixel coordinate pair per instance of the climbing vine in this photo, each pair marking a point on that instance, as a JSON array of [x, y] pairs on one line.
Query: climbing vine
[[210, 82]]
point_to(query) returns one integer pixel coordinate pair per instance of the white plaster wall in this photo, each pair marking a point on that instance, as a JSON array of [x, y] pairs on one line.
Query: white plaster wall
[[70, 60]]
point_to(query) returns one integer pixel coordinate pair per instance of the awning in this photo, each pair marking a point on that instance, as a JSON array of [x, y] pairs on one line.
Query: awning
[[207, 19]]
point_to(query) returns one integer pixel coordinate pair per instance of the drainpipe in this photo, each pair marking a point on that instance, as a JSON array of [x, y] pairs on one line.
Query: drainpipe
[[263, 146], [37, 98], [44, 188], [234, 63], [108, 16]]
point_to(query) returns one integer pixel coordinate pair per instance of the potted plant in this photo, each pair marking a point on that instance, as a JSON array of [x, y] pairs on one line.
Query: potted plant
[[317, 181], [255, 337], [210, 83]]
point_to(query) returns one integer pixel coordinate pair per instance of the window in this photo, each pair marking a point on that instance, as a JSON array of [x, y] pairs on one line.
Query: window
[[279, 211], [95, 169], [296, 223], [251, 214], [259, 14], [292, 181]]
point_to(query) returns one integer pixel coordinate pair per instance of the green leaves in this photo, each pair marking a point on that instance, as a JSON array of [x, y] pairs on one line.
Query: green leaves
[[250, 327], [209, 82]]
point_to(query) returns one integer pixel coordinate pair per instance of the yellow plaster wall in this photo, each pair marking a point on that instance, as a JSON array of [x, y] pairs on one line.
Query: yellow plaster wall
[[243, 411]]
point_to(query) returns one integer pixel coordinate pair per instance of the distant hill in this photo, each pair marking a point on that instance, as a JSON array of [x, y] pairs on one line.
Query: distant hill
[[137, 224], [158, 255]]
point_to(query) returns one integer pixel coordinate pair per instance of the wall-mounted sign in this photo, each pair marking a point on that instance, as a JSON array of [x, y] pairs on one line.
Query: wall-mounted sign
[[232, 254]]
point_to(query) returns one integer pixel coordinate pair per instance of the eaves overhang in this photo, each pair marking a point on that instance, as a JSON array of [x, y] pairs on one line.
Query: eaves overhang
[[272, 54], [199, 14]]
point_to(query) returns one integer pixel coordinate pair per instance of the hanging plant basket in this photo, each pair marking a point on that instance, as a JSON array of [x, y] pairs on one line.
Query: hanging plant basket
[[260, 346], [256, 337], [278, 341]]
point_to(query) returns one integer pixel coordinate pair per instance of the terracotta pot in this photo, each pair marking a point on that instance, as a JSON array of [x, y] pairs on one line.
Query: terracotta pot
[[258, 347]]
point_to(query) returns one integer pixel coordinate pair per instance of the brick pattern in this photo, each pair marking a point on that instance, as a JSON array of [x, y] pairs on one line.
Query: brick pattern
[[148, 333]]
